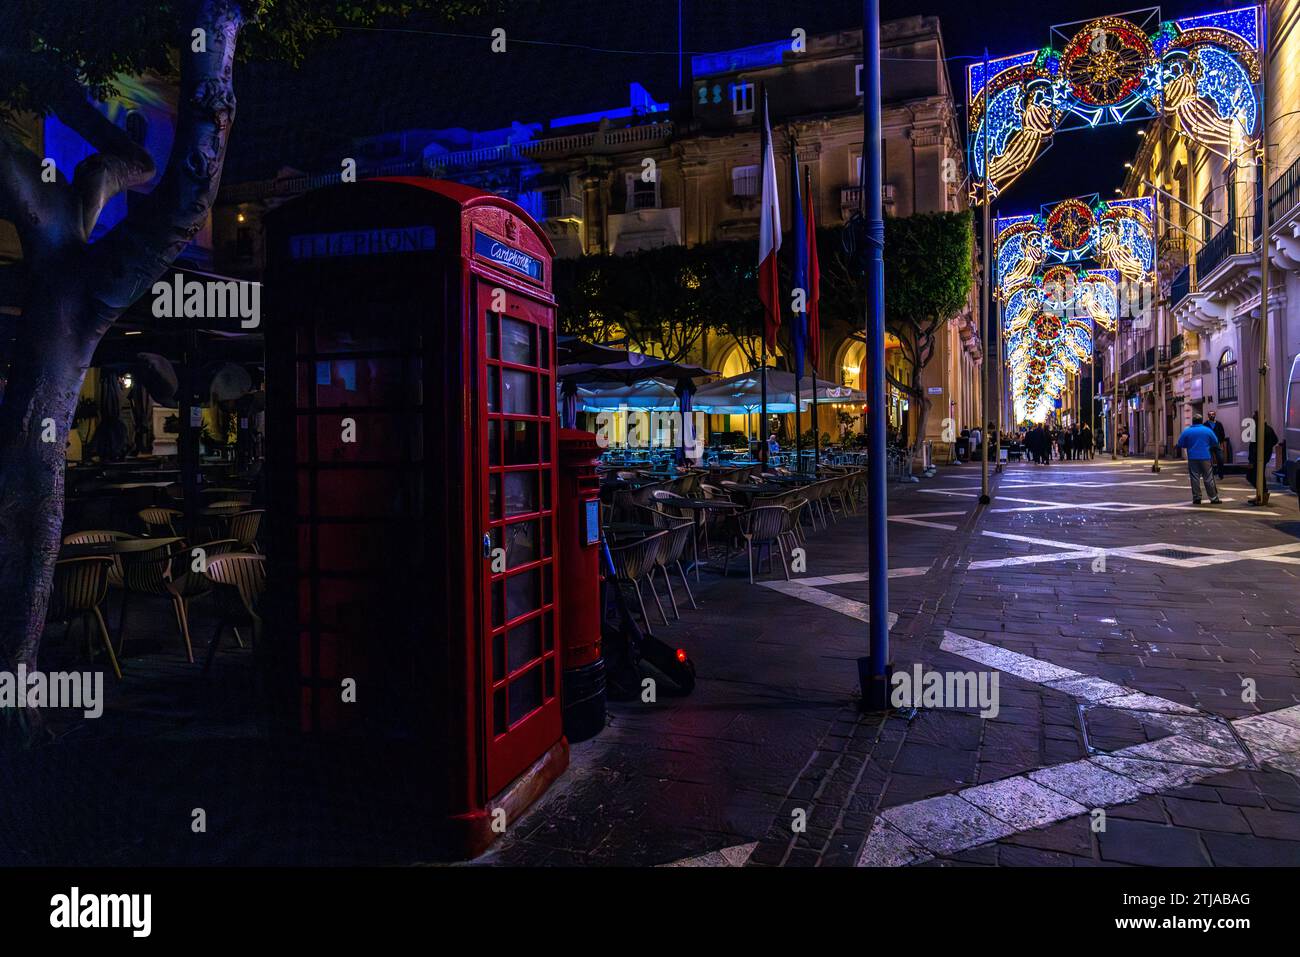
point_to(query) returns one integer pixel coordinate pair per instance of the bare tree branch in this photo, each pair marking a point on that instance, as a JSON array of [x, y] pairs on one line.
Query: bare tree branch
[[120, 163], [138, 250], [39, 209]]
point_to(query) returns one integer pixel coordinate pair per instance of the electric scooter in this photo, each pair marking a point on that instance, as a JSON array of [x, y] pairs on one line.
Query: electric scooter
[[627, 645]]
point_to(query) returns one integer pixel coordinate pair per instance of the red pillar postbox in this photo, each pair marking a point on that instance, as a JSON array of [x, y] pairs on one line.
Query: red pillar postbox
[[412, 461], [578, 549]]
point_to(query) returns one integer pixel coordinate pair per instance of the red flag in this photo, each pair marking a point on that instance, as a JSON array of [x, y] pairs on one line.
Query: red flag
[[814, 280], [769, 240]]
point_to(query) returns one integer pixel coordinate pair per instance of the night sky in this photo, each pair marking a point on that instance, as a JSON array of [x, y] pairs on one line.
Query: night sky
[[584, 53]]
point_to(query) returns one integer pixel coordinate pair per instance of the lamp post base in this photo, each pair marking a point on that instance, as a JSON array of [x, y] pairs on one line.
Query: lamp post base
[[875, 688]]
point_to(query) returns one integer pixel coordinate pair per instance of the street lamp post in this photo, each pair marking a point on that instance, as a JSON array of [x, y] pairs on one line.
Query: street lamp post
[[1261, 479], [986, 371], [874, 671]]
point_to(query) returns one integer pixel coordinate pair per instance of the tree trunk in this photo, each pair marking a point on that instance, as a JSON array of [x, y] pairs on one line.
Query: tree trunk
[[51, 354], [75, 290]]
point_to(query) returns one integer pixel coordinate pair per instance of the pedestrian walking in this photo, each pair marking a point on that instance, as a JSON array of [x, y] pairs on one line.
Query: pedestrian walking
[[1086, 441], [1222, 447], [1199, 442]]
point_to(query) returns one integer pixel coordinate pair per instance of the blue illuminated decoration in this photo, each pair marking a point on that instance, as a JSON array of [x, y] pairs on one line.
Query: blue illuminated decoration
[[1201, 70], [641, 104], [507, 256], [976, 70], [1243, 22], [744, 58]]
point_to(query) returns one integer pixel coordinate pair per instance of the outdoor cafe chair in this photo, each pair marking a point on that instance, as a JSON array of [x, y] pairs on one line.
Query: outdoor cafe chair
[[167, 572], [238, 582], [96, 537], [635, 560], [80, 585], [794, 531], [839, 493], [760, 526], [244, 526], [680, 531], [159, 521], [814, 493]]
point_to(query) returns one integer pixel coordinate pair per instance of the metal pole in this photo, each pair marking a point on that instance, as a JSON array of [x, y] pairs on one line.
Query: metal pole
[[762, 418], [794, 316], [1000, 373], [1114, 432], [1261, 478], [1158, 305], [762, 423], [874, 672], [817, 429], [987, 371], [1092, 396]]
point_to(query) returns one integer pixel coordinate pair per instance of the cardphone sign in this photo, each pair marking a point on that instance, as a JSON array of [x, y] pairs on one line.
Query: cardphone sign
[[507, 256]]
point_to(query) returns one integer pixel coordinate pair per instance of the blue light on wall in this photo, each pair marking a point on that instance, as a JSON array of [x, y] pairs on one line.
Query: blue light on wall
[[743, 58]]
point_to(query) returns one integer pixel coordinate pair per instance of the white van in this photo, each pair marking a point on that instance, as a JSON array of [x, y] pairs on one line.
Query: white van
[[1292, 435]]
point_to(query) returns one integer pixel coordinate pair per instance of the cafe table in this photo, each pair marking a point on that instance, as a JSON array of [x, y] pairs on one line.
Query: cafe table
[[124, 546], [701, 507]]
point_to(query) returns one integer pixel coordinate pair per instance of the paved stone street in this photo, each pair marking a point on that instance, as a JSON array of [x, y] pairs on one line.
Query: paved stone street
[[1148, 680]]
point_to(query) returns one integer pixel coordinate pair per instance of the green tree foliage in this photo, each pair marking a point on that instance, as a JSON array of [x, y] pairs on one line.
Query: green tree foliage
[[42, 42], [670, 296]]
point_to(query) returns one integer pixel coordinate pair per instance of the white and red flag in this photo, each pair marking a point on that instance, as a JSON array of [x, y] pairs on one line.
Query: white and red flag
[[769, 240]]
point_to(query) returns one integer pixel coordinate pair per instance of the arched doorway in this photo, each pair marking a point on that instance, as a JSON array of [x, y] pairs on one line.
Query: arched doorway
[[851, 366], [736, 361]]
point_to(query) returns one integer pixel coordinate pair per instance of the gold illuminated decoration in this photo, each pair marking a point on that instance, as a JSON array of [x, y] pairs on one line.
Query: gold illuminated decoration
[[1201, 70]]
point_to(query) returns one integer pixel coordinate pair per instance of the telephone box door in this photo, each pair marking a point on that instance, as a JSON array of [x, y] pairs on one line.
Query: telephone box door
[[520, 662]]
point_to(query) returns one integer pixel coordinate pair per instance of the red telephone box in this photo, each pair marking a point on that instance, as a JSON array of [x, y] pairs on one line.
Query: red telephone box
[[412, 469]]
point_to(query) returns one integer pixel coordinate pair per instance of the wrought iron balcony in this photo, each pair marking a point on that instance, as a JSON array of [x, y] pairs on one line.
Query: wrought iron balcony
[[1231, 240], [1181, 286], [1284, 194], [1143, 361]]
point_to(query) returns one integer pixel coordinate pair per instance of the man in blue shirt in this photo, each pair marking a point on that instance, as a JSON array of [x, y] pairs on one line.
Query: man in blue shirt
[[1200, 443]]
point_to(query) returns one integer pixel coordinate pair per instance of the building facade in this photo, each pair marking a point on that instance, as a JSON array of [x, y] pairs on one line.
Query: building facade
[[1205, 327], [643, 175]]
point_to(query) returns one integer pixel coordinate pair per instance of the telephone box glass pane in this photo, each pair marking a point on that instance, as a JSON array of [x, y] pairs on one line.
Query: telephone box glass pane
[[493, 337], [520, 542], [525, 694], [524, 642], [521, 596], [521, 443], [518, 342], [521, 493], [518, 392]]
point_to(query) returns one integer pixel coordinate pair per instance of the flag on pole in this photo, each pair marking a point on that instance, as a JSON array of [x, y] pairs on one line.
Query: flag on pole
[[769, 240], [799, 332], [814, 287]]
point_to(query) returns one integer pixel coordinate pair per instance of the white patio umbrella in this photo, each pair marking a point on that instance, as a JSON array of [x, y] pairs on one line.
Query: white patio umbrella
[[649, 394], [743, 394]]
